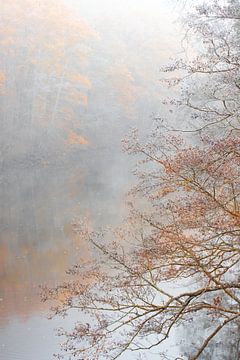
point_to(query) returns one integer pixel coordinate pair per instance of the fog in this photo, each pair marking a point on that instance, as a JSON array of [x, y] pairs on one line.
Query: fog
[[76, 77]]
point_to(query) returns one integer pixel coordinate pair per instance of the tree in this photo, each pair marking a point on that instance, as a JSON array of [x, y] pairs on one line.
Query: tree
[[176, 259], [189, 238], [207, 79]]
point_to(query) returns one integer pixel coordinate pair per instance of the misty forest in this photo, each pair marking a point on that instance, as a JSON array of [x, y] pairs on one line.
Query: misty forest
[[120, 179]]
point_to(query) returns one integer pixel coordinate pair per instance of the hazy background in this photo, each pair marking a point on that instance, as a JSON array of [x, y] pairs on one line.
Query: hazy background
[[75, 76]]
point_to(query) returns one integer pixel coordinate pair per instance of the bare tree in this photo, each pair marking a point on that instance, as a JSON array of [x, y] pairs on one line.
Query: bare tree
[[188, 237], [208, 77]]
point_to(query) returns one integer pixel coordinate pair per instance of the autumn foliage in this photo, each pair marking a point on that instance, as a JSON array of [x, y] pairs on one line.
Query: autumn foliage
[[43, 65]]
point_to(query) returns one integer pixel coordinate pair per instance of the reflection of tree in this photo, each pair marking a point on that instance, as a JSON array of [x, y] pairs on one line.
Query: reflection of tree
[[31, 266]]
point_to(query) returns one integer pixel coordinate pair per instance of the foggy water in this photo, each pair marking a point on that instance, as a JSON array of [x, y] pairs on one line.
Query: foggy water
[[61, 155]]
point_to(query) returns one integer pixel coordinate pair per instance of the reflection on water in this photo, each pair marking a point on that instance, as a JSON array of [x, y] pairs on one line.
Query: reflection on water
[[73, 82]]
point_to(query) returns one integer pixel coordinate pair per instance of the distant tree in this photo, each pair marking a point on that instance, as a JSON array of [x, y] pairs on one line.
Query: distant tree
[[43, 81], [174, 263]]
